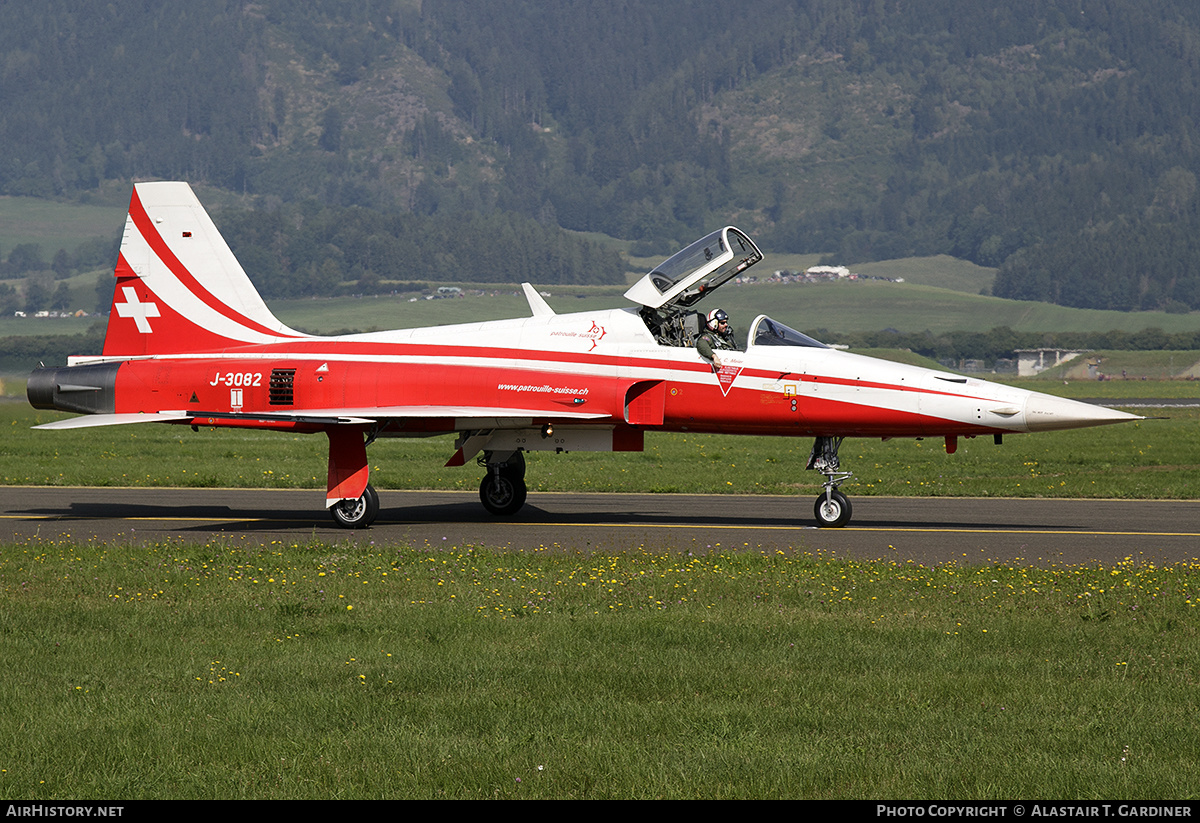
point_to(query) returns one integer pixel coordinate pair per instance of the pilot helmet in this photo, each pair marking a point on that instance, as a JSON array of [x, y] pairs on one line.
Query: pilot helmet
[[716, 317]]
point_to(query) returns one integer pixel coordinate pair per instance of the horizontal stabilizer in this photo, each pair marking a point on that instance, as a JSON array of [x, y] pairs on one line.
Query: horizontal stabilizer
[[89, 420]]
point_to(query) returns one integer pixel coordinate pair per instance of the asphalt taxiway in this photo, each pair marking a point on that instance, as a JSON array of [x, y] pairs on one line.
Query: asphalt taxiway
[[922, 530]]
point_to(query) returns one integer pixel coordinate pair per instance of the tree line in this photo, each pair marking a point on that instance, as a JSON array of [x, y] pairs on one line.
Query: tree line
[[1054, 139], [309, 249]]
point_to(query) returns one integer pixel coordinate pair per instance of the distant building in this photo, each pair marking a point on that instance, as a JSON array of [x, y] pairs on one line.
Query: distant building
[[1036, 361], [827, 271]]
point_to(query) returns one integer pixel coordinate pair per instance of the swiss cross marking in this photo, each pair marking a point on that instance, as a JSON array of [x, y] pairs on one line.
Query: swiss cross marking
[[140, 312]]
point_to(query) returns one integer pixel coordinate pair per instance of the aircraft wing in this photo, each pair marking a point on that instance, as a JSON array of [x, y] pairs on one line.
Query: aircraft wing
[[495, 417], [461, 413], [464, 416]]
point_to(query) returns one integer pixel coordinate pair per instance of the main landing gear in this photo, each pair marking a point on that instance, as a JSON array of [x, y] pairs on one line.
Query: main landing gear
[[356, 514], [832, 508], [502, 490]]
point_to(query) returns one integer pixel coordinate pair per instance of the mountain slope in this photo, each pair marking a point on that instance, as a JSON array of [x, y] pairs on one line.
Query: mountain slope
[[1054, 140]]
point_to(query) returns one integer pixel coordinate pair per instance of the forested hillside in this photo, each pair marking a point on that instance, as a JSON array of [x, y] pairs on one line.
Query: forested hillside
[[1054, 139]]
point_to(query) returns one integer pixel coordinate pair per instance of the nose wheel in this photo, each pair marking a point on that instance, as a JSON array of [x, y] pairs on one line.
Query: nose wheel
[[832, 509]]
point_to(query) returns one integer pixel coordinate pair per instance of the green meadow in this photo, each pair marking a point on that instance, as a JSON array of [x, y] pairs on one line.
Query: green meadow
[[228, 670], [54, 225], [860, 306], [327, 670]]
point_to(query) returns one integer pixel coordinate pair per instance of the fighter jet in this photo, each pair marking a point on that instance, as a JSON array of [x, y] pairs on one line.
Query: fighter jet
[[190, 342]]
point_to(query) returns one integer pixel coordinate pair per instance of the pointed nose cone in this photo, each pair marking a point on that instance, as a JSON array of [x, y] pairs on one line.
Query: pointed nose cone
[[1043, 412]]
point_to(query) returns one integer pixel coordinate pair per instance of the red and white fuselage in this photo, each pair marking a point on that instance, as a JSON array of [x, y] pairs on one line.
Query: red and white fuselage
[[189, 340], [603, 367]]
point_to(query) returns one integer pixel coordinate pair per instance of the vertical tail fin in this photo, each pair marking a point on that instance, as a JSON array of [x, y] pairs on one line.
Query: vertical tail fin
[[179, 287]]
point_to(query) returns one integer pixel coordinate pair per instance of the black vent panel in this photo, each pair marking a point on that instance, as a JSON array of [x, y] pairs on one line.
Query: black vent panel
[[282, 381]]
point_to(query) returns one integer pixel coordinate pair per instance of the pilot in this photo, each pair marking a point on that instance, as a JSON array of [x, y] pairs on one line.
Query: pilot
[[716, 336]]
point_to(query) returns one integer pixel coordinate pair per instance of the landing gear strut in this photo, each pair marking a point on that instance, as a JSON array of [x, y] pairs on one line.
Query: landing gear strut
[[502, 490], [356, 514], [832, 508]]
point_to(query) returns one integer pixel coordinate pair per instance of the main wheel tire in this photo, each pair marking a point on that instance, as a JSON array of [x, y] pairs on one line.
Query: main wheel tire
[[356, 514], [502, 495], [834, 512]]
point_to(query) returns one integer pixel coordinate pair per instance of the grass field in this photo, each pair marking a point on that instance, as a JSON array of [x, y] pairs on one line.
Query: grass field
[[324, 670], [942, 271], [847, 307], [319, 671], [54, 225]]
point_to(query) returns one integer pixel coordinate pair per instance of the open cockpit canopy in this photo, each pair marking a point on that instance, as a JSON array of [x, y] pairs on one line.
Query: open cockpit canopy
[[682, 280], [688, 276]]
